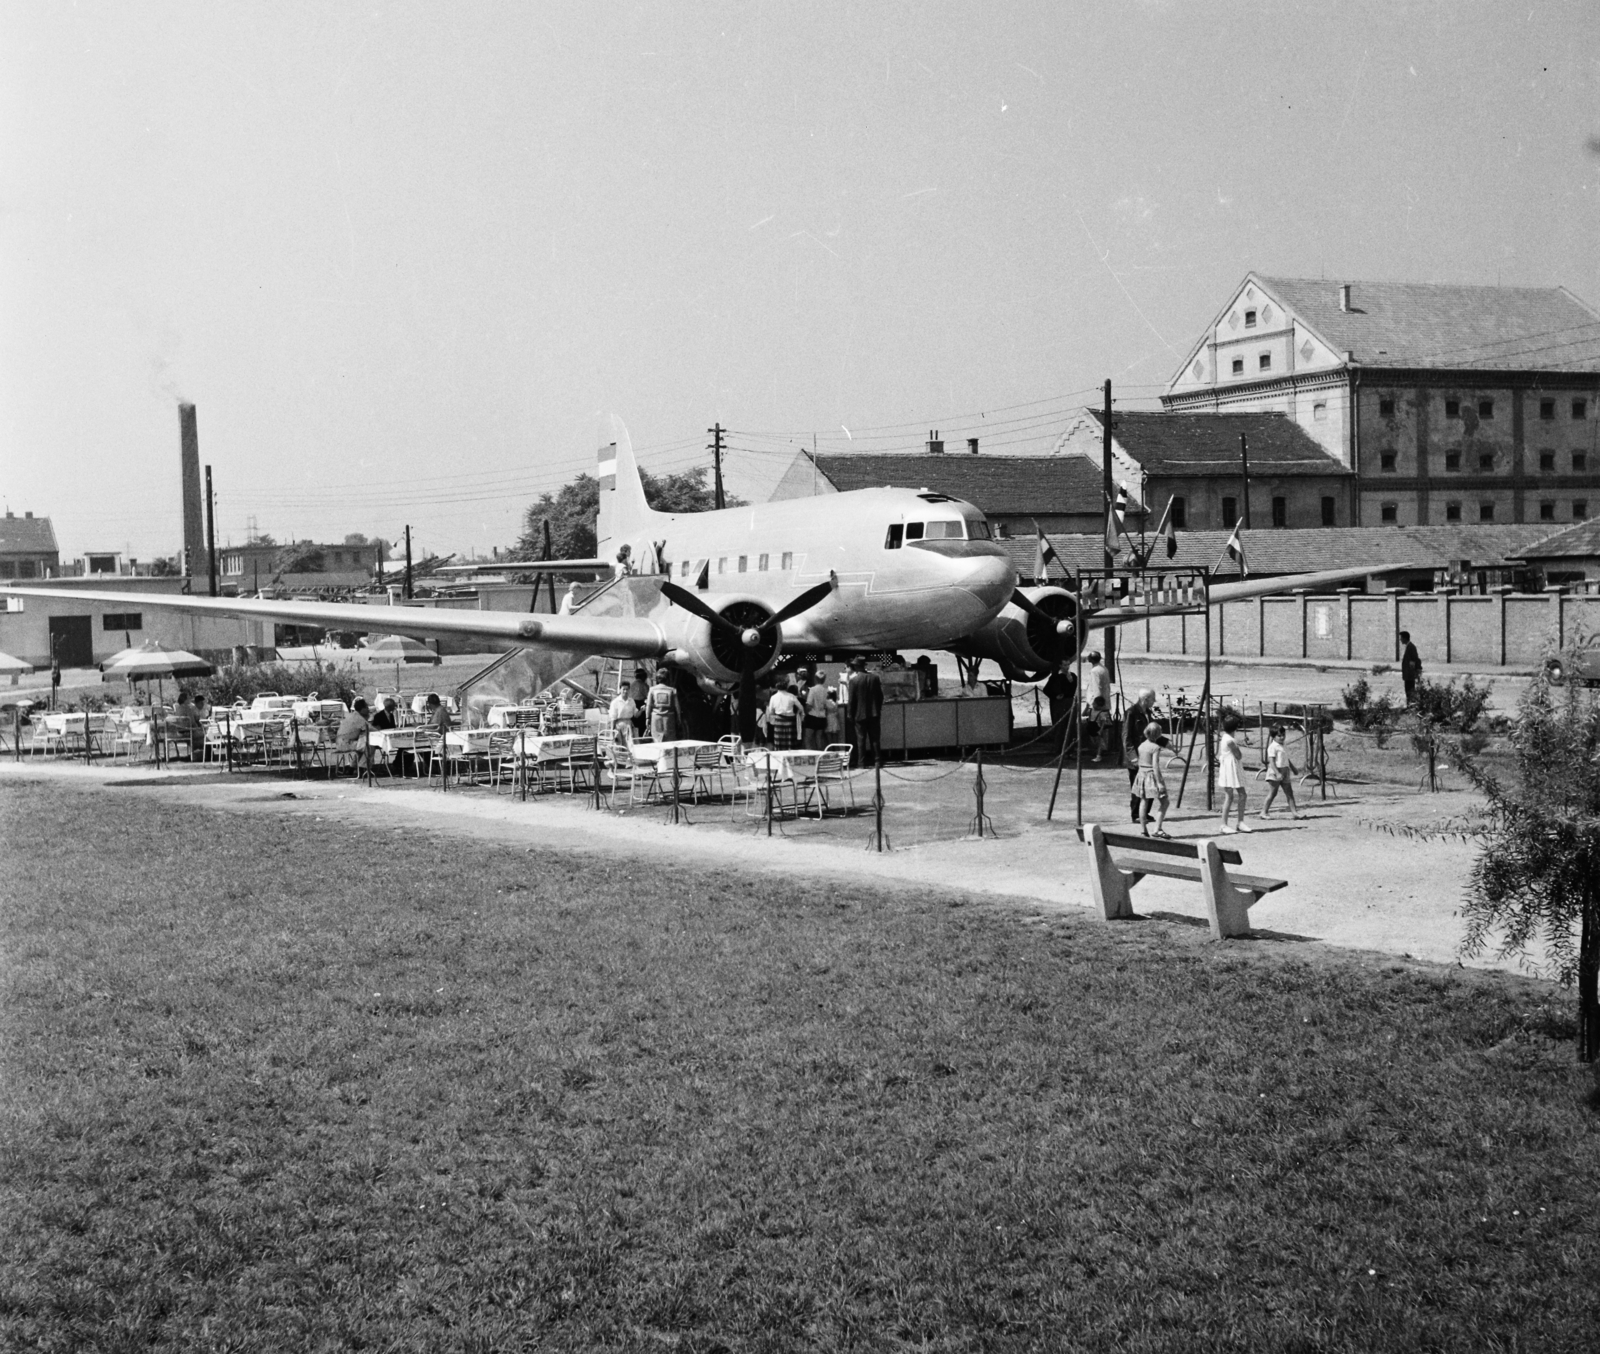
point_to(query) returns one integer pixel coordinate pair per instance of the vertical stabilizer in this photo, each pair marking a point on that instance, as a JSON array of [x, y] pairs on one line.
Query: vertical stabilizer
[[624, 514]]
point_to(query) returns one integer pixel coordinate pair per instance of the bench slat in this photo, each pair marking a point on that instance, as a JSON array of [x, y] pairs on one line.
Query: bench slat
[[1128, 841], [1251, 883], [1256, 883]]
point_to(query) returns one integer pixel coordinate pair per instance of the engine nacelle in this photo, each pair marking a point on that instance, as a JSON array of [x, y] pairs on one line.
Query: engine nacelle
[[713, 654], [1029, 647]]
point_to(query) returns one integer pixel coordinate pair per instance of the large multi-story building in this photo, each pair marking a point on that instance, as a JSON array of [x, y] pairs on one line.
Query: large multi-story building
[[1449, 404]]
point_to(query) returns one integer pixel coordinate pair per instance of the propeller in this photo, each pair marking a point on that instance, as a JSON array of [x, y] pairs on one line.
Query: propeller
[[1021, 599], [750, 638]]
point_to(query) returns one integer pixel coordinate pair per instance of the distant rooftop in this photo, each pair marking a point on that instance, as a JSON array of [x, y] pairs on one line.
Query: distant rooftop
[[1417, 324], [1003, 485], [1208, 444], [1581, 539], [27, 535]]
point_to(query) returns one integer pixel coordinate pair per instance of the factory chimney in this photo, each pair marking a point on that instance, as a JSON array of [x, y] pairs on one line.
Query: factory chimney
[[194, 534]]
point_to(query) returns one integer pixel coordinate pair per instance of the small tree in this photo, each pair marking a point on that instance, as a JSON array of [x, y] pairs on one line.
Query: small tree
[[1537, 879], [1446, 711], [573, 511]]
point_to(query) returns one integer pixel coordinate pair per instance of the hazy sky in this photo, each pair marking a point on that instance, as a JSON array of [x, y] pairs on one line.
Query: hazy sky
[[401, 255]]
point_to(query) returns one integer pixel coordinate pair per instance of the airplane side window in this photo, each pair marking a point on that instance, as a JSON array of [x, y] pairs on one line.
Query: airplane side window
[[945, 531], [722, 565], [978, 529], [892, 540], [744, 564], [761, 563], [788, 560], [683, 569], [913, 531]]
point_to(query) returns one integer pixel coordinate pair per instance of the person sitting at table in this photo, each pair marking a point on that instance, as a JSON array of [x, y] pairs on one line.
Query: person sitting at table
[[385, 718], [784, 712], [351, 736], [183, 723]]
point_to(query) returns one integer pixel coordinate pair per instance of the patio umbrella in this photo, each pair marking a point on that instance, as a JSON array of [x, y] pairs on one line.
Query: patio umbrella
[[399, 649], [154, 659], [14, 666]]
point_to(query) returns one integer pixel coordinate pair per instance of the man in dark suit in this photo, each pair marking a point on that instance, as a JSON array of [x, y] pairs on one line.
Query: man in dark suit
[[1410, 666], [865, 709]]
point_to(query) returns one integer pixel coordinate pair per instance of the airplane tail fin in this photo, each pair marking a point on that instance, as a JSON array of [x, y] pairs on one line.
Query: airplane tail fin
[[623, 510]]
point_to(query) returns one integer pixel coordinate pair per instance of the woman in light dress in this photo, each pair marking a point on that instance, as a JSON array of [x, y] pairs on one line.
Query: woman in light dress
[[1150, 785], [1280, 774], [1230, 777]]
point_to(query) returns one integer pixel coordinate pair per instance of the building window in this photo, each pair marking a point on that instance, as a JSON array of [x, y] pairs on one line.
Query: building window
[[1452, 408], [1452, 512], [7, 569], [1547, 461], [1547, 410], [1486, 512], [761, 562], [1319, 412], [1580, 509], [1266, 362], [1180, 514], [1486, 460], [1280, 512], [1452, 460], [1249, 319], [1386, 408], [1230, 512], [1238, 366], [1390, 513], [1328, 511], [1580, 409], [1580, 462], [1547, 512], [27, 568], [1485, 408], [1386, 462], [788, 560], [122, 620]]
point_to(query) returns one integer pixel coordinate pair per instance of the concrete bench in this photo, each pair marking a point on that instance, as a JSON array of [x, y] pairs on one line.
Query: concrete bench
[[1229, 896]]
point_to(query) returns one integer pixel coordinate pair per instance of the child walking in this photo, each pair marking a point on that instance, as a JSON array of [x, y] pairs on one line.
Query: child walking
[[1230, 779], [1280, 774], [1150, 785]]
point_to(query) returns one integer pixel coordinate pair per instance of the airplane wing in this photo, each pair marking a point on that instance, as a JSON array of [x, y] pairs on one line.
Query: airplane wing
[[614, 636], [521, 566], [1238, 591]]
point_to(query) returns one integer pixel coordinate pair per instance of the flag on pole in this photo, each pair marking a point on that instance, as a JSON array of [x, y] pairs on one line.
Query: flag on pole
[[1234, 550], [1115, 514], [1165, 528], [1045, 554]]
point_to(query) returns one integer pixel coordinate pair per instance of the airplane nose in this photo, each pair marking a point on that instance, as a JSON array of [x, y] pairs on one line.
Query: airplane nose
[[991, 579]]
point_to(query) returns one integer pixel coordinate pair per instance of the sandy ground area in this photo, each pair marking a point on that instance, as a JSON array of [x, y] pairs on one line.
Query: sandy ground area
[[1352, 883]]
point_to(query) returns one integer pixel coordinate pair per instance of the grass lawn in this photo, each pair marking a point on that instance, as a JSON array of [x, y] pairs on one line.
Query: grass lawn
[[270, 1083]]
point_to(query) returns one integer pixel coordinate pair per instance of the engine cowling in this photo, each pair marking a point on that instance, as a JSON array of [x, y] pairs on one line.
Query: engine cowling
[[1029, 647], [717, 655]]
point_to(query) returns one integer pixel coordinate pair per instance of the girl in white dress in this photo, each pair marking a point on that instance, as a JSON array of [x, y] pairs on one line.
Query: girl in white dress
[[1230, 779]]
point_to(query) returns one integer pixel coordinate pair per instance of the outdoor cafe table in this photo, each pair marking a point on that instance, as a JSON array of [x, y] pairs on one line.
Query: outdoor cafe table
[[784, 761], [656, 752], [513, 716], [469, 740]]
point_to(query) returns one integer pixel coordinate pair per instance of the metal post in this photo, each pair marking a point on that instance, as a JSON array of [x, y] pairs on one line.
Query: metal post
[[1077, 697], [1110, 638], [408, 568], [877, 839], [522, 760], [1210, 768], [227, 732], [675, 785], [981, 821], [594, 770], [211, 532]]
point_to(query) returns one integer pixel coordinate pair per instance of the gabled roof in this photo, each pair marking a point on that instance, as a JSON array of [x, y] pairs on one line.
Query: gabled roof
[[1208, 444], [1277, 551], [1005, 485], [27, 536], [1416, 324], [1580, 539]]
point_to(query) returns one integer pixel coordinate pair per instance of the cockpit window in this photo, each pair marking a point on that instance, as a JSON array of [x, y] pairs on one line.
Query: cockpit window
[[977, 529], [913, 531], [893, 539], [947, 531]]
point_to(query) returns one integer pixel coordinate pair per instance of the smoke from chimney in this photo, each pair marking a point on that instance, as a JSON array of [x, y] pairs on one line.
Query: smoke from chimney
[[194, 535]]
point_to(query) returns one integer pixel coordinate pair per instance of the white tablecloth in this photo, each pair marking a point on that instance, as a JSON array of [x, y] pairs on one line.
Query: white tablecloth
[[683, 748], [786, 762]]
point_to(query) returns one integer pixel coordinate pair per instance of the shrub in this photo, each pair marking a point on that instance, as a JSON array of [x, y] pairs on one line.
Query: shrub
[[1447, 714], [1376, 715], [246, 681]]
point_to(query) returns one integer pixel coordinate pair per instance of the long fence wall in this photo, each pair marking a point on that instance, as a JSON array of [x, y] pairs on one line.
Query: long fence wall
[[1498, 629]]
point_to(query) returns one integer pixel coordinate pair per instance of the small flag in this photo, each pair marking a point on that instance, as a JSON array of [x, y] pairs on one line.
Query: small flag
[[1046, 553], [1166, 529], [1234, 550], [1116, 513]]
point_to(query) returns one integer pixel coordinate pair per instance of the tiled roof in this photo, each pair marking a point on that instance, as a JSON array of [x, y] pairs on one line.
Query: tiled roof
[[1581, 539], [1414, 324], [27, 536], [1005, 485], [1208, 444], [1269, 551]]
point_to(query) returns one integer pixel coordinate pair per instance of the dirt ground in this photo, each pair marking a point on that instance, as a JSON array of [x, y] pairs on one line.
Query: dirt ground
[[1352, 882]]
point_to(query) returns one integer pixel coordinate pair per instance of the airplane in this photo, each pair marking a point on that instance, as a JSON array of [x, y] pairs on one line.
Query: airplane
[[726, 592]]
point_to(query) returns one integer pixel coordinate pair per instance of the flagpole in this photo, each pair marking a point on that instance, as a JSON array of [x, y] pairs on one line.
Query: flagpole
[[1110, 558]]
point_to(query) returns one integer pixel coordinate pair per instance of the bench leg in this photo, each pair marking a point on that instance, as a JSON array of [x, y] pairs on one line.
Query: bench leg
[[1111, 885], [1228, 906]]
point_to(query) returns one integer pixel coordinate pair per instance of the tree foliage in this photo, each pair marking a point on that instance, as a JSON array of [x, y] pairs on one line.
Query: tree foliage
[[301, 558], [573, 510], [1537, 879]]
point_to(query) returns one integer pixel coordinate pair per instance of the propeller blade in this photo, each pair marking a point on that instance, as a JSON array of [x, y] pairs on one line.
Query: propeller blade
[[804, 602], [1021, 599], [689, 602]]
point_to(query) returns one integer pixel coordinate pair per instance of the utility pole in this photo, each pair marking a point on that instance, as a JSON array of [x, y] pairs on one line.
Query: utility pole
[[408, 561], [1244, 467], [720, 499], [1110, 497], [211, 532]]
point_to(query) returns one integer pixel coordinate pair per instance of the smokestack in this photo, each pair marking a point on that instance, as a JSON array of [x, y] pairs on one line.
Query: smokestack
[[194, 534], [1344, 297]]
